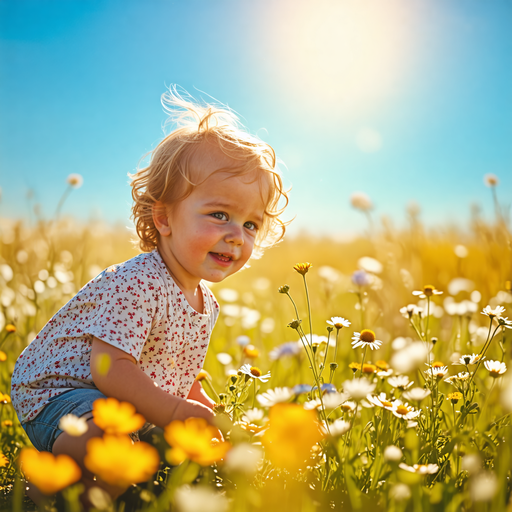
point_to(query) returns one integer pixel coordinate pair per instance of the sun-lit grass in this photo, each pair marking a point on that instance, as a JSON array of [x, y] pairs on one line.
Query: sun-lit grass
[[420, 423]]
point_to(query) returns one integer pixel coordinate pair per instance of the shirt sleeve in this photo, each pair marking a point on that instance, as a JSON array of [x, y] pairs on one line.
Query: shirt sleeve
[[123, 305]]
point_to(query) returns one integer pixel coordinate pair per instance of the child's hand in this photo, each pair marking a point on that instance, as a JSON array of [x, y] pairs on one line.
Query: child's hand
[[192, 409]]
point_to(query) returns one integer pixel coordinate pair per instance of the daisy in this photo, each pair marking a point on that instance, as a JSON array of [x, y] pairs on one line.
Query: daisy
[[437, 372], [382, 401], [365, 338], [405, 411], [416, 394], [254, 373], [253, 416], [358, 388], [333, 400], [420, 469], [274, 396], [73, 425], [505, 322], [467, 359], [456, 379], [496, 368], [491, 180], [400, 382], [338, 322], [224, 358], [336, 428], [312, 404], [492, 313], [385, 373], [428, 291], [410, 310], [393, 454], [348, 406]]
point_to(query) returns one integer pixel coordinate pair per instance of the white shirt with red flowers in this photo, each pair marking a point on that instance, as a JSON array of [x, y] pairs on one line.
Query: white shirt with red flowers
[[135, 306]]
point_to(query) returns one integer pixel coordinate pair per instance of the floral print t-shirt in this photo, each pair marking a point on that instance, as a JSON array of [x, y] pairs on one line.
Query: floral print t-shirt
[[135, 306]]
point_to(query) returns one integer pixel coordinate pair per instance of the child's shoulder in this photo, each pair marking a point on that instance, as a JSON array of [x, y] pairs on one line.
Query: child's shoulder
[[144, 270]]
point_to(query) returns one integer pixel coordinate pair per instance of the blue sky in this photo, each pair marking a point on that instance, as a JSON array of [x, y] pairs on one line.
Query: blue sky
[[401, 99]]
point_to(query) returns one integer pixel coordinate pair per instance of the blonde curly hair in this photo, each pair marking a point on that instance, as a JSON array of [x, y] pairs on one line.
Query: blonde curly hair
[[168, 179]]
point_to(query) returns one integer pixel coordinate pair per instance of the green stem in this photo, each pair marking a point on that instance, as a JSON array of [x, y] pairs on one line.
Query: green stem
[[309, 310], [362, 361]]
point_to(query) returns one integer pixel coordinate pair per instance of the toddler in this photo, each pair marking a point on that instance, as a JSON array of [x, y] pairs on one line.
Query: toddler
[[206, 203]]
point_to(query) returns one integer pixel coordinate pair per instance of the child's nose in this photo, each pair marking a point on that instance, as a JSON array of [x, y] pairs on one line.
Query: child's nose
[[235, 235]]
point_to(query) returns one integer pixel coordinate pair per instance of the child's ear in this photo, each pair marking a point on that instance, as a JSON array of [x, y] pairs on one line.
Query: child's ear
[[161, 219]]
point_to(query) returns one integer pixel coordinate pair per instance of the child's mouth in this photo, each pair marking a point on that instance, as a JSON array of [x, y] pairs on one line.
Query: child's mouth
[[222, 258]]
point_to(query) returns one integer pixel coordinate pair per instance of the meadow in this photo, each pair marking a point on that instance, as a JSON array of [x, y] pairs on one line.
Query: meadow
[[371, 373]]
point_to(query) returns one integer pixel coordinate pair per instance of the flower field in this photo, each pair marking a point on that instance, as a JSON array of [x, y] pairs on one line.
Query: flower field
[[374, 377]]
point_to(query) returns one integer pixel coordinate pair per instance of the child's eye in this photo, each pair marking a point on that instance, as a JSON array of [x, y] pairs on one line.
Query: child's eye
[[251, 226], [219, 215]]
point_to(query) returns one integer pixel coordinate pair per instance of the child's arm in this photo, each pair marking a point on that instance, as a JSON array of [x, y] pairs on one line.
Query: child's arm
[[126, 382], [198, 394]]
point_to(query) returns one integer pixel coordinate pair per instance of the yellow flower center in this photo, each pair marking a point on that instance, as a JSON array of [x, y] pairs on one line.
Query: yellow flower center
[[369, 368], [255, 372], [367, 336], [428, 290], [401, 409], [437, 364], [385, 403]]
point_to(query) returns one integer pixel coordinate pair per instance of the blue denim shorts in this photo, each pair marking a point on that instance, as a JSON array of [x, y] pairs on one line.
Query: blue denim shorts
[[44, 428]]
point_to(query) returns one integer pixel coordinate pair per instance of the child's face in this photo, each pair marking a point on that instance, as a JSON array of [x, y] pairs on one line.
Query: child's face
[[211, 233]]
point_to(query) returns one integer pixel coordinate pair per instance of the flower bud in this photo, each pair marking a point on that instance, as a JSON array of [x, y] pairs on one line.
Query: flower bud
[[294, 324], [284, 289]]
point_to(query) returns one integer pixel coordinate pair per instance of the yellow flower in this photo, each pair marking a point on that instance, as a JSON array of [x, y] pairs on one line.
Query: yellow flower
[[292, 433], [251, 352], [4, 461], [4, 398], [194, 439], [3, 356], [437, 364], [49, 473], [202, 375], [454, 397], [355, 367], [10, 328], [382, 365], [7, 423], [116, 417], [302, 268], [118, 461], [369, 368]]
